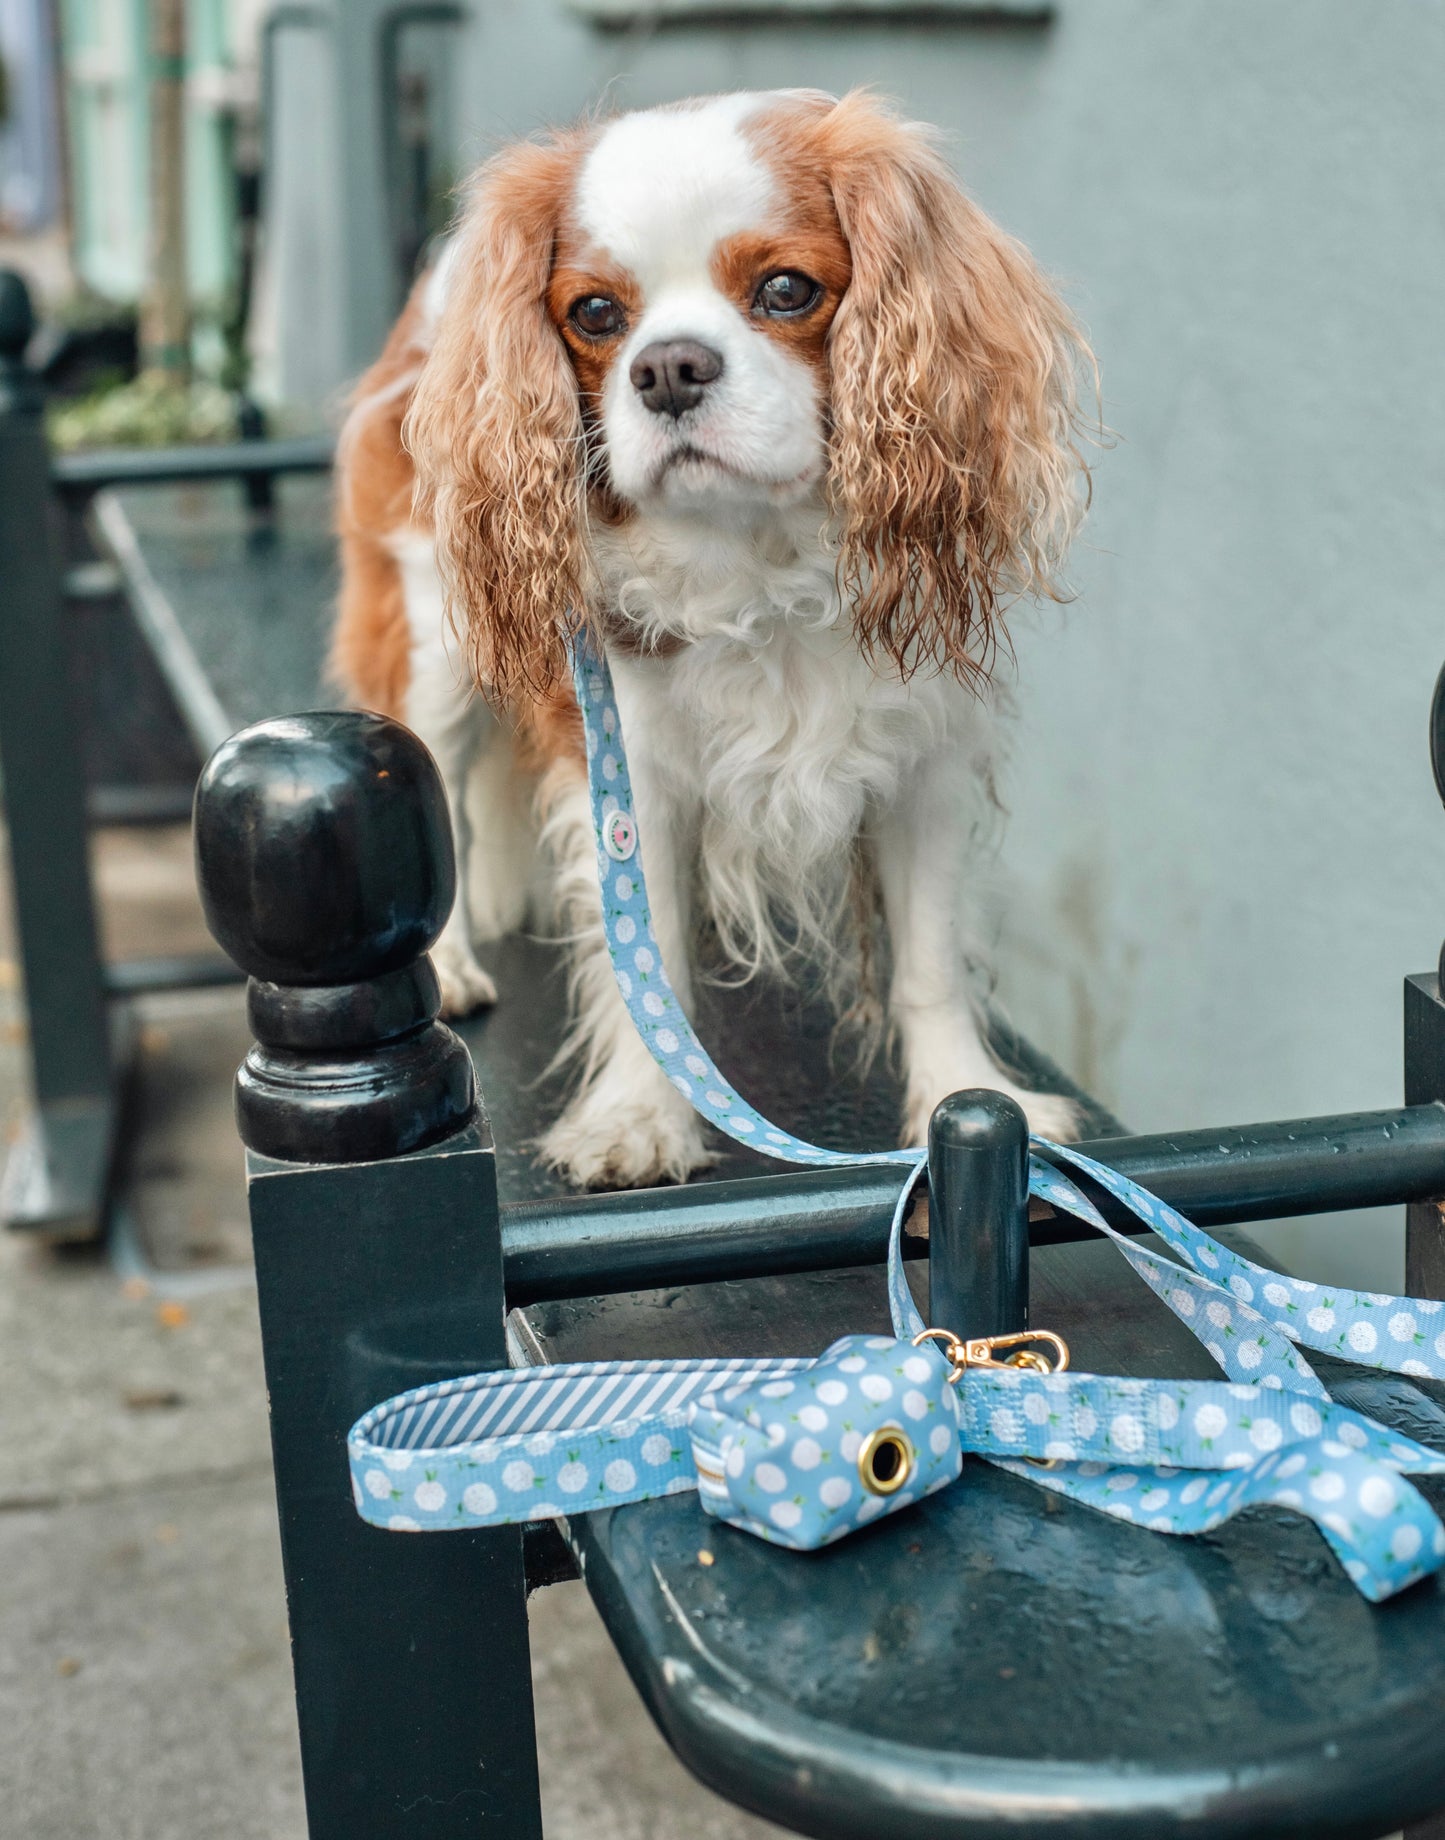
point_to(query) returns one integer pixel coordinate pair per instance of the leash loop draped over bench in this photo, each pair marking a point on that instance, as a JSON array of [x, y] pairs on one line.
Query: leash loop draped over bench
[[802, 1452]]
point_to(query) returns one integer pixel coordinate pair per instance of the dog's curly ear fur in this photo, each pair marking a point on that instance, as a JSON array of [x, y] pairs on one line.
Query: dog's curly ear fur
[[956, 474], [495, 431]]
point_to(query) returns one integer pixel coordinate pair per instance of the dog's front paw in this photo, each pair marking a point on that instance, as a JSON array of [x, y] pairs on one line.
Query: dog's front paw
[[610, 1138], [465, 986], [1050, 1115]]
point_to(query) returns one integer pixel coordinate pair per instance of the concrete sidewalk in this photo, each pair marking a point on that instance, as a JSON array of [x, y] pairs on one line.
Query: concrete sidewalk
[[145, 1689]]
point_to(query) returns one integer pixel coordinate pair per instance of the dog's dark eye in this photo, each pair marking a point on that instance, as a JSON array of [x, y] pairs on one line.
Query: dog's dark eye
[[597, 316], [788, 293]]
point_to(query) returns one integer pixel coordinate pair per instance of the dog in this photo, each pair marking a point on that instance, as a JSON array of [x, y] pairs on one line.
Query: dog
[[748, 386]]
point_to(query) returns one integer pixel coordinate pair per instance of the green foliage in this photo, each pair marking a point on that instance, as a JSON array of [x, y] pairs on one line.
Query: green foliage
[[151, 411], [83, 310]]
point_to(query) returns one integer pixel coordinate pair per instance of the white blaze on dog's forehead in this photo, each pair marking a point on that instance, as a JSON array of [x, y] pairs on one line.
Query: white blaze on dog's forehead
[[661, 187]]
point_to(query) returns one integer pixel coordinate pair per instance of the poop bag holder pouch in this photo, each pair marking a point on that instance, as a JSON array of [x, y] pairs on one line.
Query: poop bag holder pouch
[[801, 1459]]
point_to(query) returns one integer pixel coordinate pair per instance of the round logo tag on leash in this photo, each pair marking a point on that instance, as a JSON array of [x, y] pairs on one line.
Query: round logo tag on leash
[[619, 835]]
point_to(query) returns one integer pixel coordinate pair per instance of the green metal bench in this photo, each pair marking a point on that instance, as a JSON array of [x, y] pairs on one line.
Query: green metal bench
[[994, 1663]]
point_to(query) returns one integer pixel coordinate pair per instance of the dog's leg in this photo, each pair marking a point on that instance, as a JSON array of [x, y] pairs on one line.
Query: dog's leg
[[627, 1124], [454, 723], [501, 866], [921, 846]]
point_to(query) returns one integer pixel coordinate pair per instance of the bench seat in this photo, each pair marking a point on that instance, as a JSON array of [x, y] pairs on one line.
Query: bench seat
[[997, 1661]]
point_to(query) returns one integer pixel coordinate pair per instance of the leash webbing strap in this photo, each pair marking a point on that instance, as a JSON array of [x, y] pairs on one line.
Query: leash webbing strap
[[1246, 1315], [779, 1446]]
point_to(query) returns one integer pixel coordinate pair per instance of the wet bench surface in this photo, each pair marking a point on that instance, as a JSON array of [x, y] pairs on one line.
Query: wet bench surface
[[255, 601], [997, 1661], [1000, 1661]]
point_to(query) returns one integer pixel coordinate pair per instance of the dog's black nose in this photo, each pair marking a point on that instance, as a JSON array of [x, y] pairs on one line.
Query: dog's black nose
[[671, 375]]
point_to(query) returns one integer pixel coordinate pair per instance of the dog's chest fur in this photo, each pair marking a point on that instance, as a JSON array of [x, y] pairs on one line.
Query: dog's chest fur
[[774, 739]]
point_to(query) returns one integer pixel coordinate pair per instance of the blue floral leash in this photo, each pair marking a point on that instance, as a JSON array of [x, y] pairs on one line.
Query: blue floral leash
[[802, 1452]]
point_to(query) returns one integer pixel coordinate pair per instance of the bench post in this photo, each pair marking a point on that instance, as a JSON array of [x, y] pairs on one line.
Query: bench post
[[325, 864], [56, 1176], [978, 1203], [1424, 1084], [1425, 1066]]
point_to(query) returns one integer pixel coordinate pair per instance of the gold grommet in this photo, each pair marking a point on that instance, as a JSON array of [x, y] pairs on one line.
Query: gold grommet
[[886, 1460]]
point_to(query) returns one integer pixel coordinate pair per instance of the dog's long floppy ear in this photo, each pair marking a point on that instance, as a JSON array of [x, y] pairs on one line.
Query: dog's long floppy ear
[[495, 431], [955, 470]]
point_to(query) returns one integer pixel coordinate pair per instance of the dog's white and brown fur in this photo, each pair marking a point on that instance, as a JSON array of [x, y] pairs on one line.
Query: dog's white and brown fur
[[749, 385]]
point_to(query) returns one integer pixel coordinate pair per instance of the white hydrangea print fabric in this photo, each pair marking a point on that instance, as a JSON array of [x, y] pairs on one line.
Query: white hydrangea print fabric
[[780, 1456]]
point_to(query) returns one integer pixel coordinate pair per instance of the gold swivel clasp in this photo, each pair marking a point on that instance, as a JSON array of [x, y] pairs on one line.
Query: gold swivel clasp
[[1027, 1350], [886, 1457]]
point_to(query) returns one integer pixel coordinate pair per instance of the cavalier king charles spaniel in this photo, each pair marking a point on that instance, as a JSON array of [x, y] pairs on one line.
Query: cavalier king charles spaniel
[[752, 389]]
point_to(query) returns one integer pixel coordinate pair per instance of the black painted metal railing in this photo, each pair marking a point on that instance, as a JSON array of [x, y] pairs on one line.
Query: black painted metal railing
[[590, 1245], [296, 791], [84, 474], [57, 1177]]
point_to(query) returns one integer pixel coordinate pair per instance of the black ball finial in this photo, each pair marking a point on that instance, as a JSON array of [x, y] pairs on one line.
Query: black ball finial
[[325, 864], [323, 851], [17, 316]]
